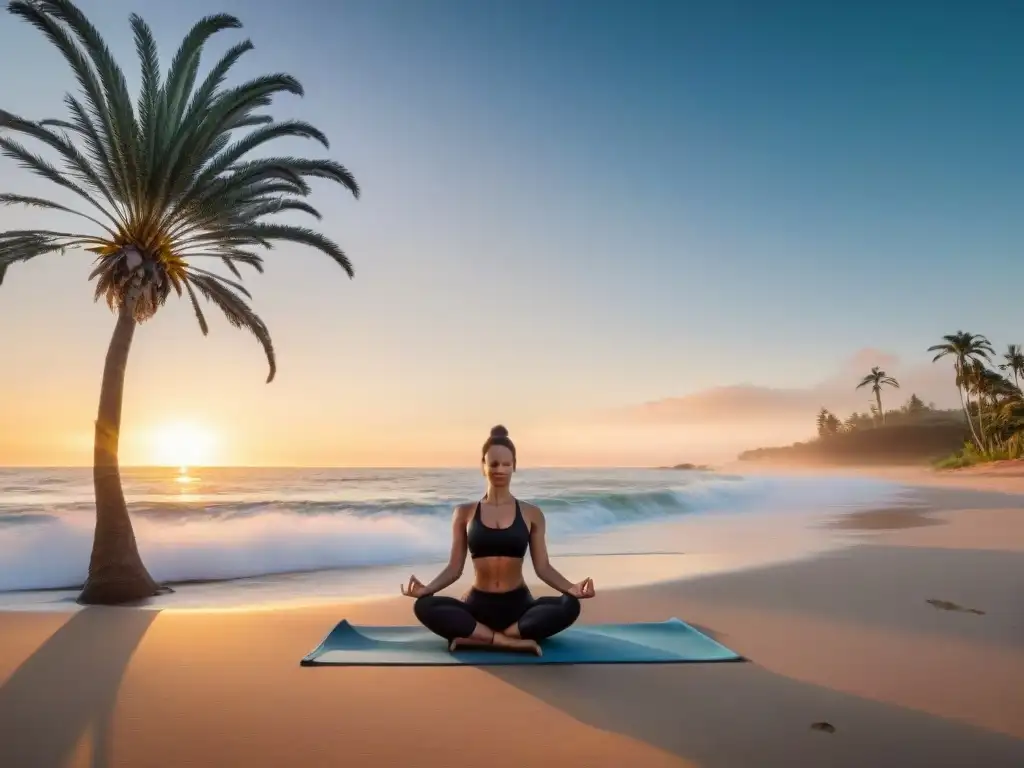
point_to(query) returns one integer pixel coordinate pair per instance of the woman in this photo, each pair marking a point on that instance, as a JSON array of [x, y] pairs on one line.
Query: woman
[[496, 531]]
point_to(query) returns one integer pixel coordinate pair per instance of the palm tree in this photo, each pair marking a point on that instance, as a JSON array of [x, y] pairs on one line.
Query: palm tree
[[832, 424], [1014, 358], [1009, 419], [985, 386], [963, 347], [827, 423], [915, 405], [169, 186], [994, 390], [972, 379], [877, 379]]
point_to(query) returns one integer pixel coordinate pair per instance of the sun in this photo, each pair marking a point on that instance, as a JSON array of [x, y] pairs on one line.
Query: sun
[[183, 445]]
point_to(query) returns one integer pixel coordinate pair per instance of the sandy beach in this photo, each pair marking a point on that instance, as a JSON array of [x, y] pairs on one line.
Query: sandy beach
[[576, 290], [848, 638]]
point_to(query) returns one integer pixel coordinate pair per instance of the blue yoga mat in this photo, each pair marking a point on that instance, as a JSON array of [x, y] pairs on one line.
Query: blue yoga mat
[[664, 642]]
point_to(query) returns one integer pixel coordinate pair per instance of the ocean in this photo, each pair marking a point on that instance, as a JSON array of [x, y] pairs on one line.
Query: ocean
[[237, 537]]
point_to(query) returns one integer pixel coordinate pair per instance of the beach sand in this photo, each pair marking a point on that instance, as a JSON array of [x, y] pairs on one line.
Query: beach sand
[[848, 638]]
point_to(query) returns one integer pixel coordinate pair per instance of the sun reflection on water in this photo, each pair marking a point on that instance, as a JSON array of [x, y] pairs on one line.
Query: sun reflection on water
[[184, 478]]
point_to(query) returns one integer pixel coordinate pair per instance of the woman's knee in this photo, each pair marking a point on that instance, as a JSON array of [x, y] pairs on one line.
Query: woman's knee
[[422, 607], [571, 606]]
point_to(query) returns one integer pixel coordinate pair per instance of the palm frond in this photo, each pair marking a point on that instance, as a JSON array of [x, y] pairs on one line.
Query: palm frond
[[119, 108], [300, 235], [319, 169], [293, 128], [200, 317], [38, 202], [220, 279], [96, 147], [185, 66], [30, 11], [33, 162], [76, 163], [15, 249], [239, 314], [186, 149], [232, 255], [71, 238], [250, 181], [280, 205], [172, 173], [251, 121], [149, 95]]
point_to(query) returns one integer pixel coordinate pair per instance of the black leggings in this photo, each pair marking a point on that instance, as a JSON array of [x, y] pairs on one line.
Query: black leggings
[[537, 618]]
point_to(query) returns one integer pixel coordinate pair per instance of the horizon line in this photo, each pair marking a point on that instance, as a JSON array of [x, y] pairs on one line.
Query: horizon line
[[177, 467]]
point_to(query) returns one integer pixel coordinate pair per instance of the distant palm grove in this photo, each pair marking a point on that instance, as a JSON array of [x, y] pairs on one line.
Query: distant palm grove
[[992, 404]]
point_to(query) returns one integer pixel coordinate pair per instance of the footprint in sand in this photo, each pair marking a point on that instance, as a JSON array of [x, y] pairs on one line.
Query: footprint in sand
[[945, 605]]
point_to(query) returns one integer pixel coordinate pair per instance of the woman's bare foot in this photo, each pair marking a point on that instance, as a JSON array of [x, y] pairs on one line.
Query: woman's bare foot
[[498, 641], [516, 644], [467, 642]]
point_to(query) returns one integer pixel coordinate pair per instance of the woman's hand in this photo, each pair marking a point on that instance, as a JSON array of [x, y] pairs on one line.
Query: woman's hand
[[583, 590], [414, 588]]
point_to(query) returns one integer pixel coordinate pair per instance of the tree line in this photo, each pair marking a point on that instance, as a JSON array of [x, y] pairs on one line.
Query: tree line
[[991, 400]]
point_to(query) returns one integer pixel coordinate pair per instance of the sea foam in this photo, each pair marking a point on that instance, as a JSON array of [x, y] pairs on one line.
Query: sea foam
[[257, 530]]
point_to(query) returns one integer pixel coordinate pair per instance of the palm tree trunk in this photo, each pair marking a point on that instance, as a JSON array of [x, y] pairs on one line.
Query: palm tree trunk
[[981, 421], [116, 572], [878, 402], [965, 398], [965, 403]]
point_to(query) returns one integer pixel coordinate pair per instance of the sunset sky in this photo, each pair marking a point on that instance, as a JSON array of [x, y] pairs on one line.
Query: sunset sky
[[570, 209]]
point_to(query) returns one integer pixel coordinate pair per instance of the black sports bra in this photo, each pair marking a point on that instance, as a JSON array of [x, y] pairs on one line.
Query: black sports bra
[[485, 541]]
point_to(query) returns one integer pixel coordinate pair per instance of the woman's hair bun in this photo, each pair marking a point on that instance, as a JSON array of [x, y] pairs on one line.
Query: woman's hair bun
[[499, 432]]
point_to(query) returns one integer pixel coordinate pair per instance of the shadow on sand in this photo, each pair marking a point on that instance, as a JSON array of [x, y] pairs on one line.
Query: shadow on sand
[[733, 715], [53, 699], [719, 715], [882, 586]]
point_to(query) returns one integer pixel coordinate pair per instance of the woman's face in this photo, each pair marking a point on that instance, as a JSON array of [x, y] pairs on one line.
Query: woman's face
[[498, 466]]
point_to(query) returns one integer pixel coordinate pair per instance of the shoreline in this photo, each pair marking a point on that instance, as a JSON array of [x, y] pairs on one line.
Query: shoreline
[[931, 509], [692, 546], [1008, 473], [812, 534], [322, 524]]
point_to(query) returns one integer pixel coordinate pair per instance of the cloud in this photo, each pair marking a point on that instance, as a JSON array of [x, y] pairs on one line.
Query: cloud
[[749, 404]]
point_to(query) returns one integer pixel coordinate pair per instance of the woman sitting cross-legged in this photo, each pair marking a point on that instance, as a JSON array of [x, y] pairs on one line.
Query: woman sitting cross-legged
[[496, 531]]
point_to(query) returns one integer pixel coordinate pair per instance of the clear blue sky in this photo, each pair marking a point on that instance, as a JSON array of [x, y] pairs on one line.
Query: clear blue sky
[[578, 204]]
